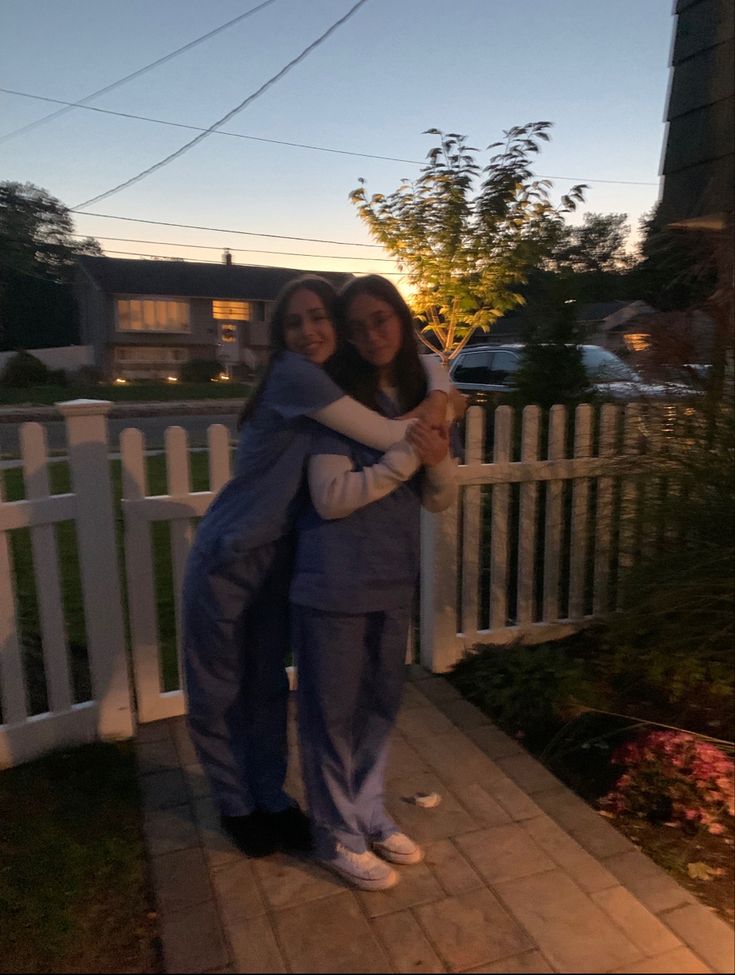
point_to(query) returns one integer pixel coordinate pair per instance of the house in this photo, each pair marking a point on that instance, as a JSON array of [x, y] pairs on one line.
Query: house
[[618, 326], [699, 154], [145, 318], [698, 195]]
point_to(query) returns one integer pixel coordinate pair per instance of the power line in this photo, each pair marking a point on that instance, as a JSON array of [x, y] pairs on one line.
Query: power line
[[238, 108], [293, 145], [223, 230], [236, 250], [186, 260], [135, 74], [199, 128]]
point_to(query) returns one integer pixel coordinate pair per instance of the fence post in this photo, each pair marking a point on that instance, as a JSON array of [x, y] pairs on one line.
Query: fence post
[[440, 645], [88, 446]]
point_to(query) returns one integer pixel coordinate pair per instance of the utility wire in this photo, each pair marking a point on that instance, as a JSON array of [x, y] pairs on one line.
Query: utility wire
[[187, 260], [223, 230], [129, 77], [293, 145], [238, 108], [236, 250], [199, 128]]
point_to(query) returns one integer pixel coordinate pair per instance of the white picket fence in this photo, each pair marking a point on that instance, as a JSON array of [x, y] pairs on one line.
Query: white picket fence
[[482, 561]]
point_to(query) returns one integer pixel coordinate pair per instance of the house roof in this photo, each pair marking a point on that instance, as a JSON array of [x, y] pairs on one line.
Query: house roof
[[194, 280], [597, 311]]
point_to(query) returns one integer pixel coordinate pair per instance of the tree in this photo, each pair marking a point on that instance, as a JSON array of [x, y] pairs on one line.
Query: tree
[[37, 253], [465, 235], [551, 365], [597, 245], [678, 269]]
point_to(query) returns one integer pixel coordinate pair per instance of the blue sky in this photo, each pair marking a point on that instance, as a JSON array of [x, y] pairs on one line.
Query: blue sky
[[598, 70]]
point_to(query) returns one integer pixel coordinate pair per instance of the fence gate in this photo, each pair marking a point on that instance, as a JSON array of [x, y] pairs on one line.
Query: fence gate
[[157, 667]]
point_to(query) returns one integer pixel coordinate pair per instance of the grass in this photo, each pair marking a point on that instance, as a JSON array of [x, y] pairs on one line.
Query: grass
[[71, 581], [75, 895], [131, 392]]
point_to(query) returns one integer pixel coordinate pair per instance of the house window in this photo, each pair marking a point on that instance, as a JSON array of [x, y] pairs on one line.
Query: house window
[[152, 315], [150, 353], [231, 311], [637, 341]]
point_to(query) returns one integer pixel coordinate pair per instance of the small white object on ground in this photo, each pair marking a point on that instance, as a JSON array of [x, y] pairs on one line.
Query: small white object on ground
[[426, 800]]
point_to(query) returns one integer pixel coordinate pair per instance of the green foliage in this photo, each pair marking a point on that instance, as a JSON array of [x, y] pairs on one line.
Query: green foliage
[[199, 370], [23, 370], [676, 628], [527, 690], [467, 235], [551, 367], [597, 244], [37, 253], [678, 269]]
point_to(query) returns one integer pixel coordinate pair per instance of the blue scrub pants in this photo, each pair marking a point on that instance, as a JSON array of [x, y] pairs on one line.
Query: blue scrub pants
[[351, 671], [236, 637]]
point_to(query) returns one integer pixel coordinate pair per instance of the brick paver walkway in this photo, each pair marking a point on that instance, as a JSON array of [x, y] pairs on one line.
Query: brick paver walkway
[[520, 875]]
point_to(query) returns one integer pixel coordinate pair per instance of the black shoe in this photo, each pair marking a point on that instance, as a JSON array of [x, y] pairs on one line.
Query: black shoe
[[253, 835], [291, 829]]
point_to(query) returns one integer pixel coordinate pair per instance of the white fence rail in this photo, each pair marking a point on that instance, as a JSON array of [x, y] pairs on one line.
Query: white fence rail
[[531, 551], [489, 551]]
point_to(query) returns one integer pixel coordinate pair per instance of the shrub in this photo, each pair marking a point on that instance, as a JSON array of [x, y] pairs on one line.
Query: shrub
[[676, 627], [88, 375], [23, 370], [529, 691], [199, 370], [674, 776], [57, 377]]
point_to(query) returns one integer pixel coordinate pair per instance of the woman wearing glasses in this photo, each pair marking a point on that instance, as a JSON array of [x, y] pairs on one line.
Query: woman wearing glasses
[[354, 578]]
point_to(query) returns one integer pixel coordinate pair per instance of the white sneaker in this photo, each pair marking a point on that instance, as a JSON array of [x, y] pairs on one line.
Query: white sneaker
[[363, 870], [399, 848]]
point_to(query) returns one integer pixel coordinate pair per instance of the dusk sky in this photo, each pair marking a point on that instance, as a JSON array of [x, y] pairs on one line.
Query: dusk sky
[[597, 69]]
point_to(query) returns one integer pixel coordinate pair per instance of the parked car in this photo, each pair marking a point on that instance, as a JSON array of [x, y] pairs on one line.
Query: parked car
[[486, 374]]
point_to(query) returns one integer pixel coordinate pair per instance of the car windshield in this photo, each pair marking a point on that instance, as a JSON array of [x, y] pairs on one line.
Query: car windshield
[[604, 367]]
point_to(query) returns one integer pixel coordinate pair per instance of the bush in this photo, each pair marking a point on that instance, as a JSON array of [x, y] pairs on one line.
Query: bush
[[23, 370], [676, 628], [672, 776], [199, 370], [529, 691], [57, 377], [551, 368], [88, 376]]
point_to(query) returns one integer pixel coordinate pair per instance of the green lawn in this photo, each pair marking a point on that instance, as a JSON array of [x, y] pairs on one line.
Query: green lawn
[[132, 392], [75, 895], [71, 583]]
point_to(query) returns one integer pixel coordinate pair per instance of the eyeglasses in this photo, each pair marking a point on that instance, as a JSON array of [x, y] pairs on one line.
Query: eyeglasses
[[359, 331]]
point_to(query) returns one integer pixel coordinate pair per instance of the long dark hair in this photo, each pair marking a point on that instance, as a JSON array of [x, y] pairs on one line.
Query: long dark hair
[[357, 377], [308, 282]]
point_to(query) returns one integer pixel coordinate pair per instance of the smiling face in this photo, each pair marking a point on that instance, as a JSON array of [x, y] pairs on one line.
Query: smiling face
[[308, 328], [375, 331]]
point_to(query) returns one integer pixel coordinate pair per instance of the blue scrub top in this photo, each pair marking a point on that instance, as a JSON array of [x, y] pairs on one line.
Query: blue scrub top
[[368, 561], [259, 504]]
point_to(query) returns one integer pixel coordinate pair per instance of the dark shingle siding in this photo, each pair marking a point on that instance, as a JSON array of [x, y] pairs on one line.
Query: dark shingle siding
[[699, 159]]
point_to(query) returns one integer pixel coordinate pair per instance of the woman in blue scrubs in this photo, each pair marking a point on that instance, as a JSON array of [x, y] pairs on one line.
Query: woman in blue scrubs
[[354, 579], [235, 597]]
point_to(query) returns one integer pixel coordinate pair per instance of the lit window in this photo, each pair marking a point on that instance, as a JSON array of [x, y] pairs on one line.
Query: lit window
[[231, 311], [152, 315], [637, 341]]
